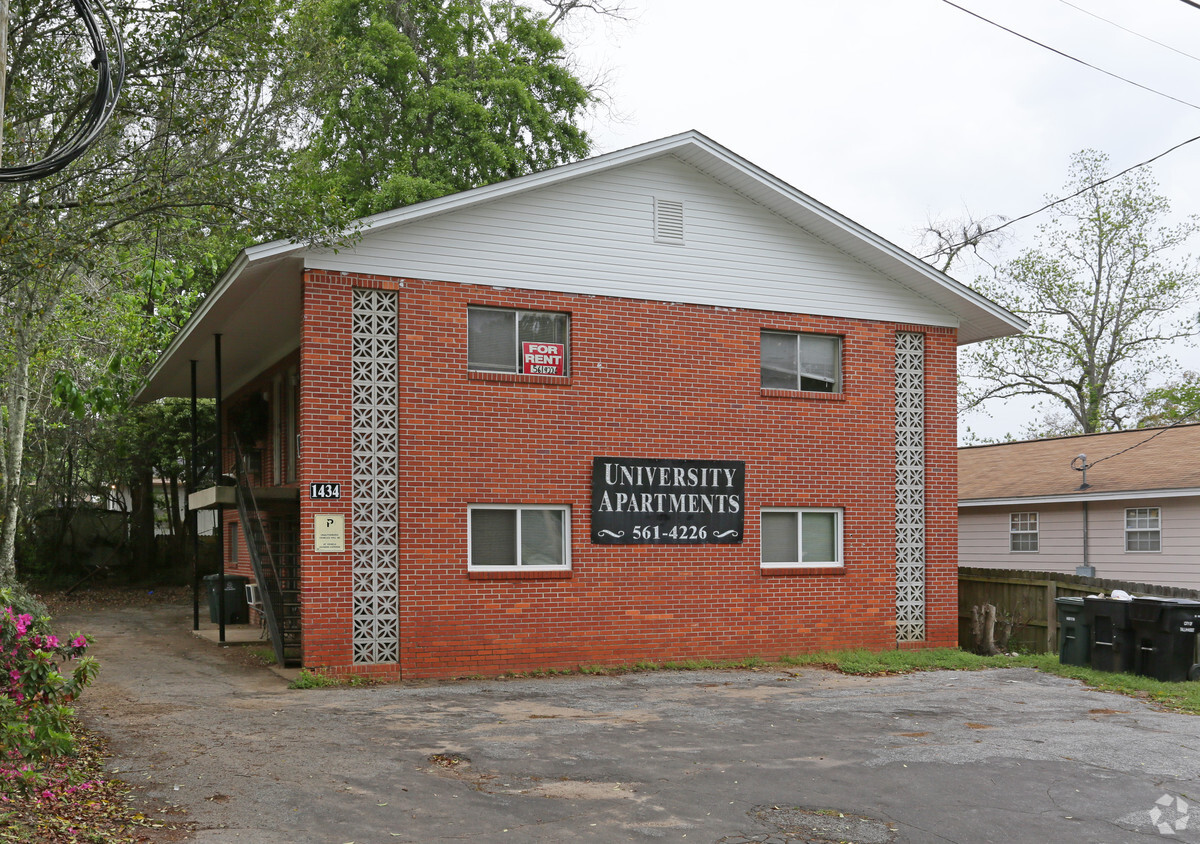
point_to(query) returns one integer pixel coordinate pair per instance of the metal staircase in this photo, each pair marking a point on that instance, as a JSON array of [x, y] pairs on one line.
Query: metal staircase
[[276, 561]]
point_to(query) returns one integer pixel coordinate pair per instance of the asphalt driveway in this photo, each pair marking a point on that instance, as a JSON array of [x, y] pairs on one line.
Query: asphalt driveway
[[713, 756]]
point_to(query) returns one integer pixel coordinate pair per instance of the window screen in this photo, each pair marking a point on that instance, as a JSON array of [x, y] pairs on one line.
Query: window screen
[[541, 537], [494, 336], [780, 537], [800, 362], [518, 536], [801, 537], [491, 340], [493, 537], [819, 534]]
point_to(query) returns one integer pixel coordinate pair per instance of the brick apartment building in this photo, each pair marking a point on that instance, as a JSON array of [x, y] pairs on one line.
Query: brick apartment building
[[655, 405]]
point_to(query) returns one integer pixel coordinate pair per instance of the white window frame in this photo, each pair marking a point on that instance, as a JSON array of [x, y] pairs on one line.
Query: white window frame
[[565, 509], [517, 339], [837, 339], [1152, 525], [1024, 519], [839, 560]]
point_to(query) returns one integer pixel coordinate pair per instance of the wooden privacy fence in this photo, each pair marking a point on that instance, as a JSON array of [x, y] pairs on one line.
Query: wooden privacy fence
[[1028, 598]]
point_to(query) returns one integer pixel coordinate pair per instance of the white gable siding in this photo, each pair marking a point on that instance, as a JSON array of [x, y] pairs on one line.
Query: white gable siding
[[983, 540], [595, 235]]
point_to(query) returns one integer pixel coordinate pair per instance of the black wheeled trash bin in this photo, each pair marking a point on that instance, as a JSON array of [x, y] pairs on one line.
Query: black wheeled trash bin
[[235, 598], [1111, 640], [1164, 637], [1074, 634]]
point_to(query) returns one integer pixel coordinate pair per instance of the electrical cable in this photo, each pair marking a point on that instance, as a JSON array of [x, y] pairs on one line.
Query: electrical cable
[[1082, 190], [104, 101], [1130, 31], [1132, 447], [1072, 58], [1052, 203], [1158, 433]]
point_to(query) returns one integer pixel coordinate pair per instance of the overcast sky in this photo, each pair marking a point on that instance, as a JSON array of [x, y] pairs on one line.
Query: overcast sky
[[894, 112]]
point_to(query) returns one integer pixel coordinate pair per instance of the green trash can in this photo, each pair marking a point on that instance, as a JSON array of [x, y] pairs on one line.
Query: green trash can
[[1074, 633], [236, 611], [1164, 637]]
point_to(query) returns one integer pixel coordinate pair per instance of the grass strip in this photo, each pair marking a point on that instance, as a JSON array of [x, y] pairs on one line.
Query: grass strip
[[1183, 697]]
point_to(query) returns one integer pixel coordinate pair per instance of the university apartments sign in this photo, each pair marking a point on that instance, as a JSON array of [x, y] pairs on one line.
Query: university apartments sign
[[637, 501]]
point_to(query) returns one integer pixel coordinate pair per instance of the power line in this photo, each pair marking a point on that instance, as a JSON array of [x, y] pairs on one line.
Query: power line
[[1049, 205], [1132, 447], [104, 101], [1073, 58], [1157, 433], [1130, 31], [1083, 190]]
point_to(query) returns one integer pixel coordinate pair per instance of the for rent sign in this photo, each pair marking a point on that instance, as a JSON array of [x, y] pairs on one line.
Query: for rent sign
[[660, 502], [543, 359]]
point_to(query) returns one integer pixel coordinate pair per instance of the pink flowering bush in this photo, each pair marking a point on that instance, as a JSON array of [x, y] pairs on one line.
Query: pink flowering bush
[[39, 676]]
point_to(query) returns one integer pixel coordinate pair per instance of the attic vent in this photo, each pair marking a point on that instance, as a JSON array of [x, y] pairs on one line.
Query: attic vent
[[668, 221]]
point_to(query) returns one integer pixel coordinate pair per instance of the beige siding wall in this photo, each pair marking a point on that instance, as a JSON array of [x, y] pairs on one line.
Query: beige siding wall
[[983, 540]]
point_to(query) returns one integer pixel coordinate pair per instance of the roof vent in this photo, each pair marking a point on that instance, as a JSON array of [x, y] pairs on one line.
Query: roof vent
[[668, 220]]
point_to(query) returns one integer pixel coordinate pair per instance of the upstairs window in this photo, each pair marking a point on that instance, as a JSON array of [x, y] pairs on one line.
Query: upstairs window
[[1023, 532], [811, 362], [521, 342], [1143, 529]]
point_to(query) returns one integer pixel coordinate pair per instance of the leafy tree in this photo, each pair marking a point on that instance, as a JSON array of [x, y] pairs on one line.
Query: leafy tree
[[240, 120], [187, 167], [1104, 292], [419, 98], [1172, 404]]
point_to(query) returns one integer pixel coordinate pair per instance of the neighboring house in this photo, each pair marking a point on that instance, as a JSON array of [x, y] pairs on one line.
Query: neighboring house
[[1023, 505], [120, 499], [652, 405]]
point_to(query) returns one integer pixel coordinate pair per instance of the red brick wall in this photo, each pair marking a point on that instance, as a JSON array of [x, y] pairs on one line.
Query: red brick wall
[[325, 458], [648, 379], [941, 490]]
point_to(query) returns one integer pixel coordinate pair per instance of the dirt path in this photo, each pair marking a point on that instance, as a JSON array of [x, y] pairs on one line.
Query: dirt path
[[714, 756]]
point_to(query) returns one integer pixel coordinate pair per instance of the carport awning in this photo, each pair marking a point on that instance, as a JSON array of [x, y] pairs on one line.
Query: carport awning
[[256, 308]]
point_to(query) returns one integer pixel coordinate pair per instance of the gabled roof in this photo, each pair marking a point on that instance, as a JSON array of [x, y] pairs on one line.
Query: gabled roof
[[1164, 462], [982, 319], [271, 269]]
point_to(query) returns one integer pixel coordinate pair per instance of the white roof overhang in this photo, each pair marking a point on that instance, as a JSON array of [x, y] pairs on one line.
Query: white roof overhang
[[1119, 495], [256, 303], [255, 307]]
